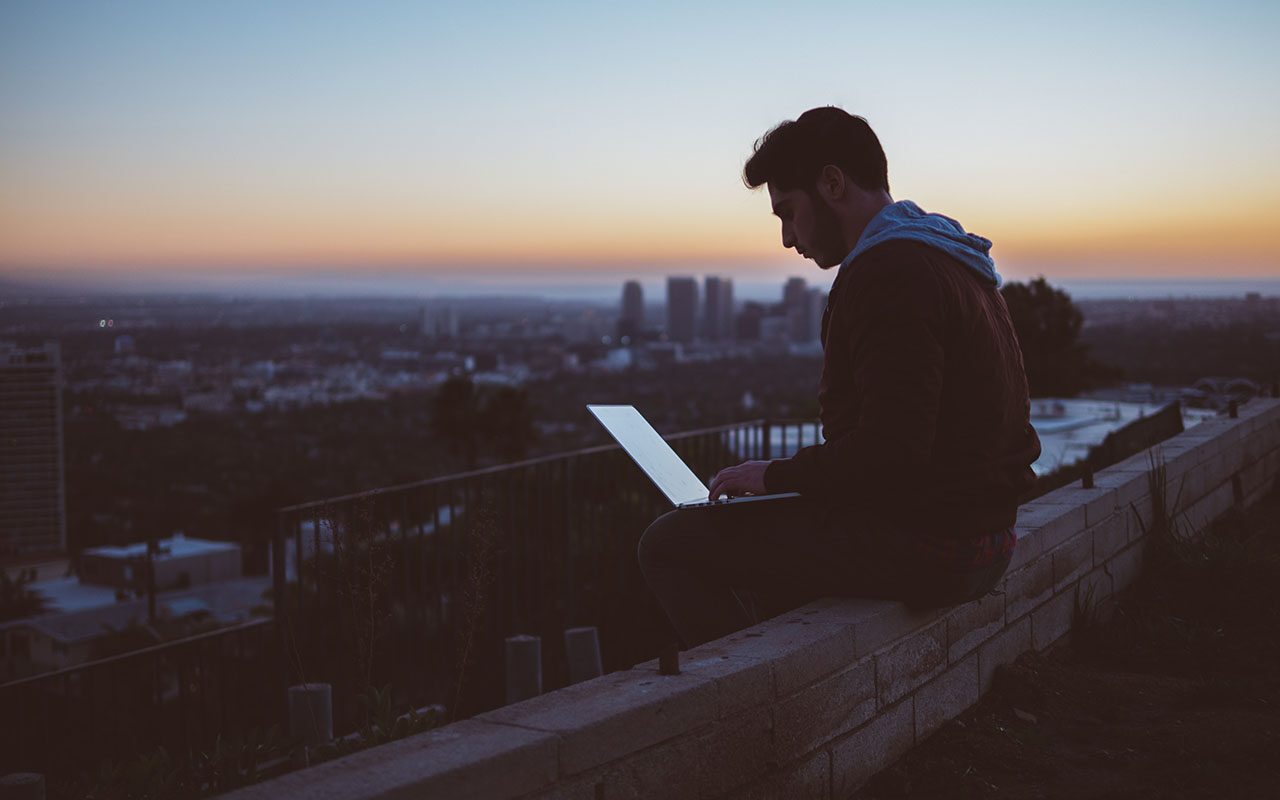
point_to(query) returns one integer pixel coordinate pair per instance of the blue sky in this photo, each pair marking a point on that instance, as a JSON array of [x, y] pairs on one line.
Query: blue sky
[[1086, 139]]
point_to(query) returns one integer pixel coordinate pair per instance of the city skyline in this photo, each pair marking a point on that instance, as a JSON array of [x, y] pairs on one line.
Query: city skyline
[[245, 144]]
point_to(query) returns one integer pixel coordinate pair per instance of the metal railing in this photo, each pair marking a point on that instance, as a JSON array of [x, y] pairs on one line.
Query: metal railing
[[533, 547], [418, 585], [181, 695]]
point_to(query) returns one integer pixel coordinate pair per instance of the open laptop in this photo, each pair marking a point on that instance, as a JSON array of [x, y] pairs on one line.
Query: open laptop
[[653, 455]]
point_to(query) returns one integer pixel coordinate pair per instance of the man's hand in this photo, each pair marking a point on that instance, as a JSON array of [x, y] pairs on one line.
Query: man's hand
[[746, 478]]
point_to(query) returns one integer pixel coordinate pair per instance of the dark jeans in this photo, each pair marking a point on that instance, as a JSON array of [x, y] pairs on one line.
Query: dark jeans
[[698, 560]]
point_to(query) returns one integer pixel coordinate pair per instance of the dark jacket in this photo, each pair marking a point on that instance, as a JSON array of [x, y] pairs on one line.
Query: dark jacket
[[923, 399]]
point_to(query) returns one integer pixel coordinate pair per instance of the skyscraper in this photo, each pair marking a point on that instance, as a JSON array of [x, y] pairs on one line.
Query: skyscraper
[[631, 321], [32, 482], [795, 299], [682, 309], [717, 316]]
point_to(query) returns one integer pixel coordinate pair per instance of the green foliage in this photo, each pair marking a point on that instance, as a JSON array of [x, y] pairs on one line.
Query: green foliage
[[1048, 326], [234, 762], [383, 724]]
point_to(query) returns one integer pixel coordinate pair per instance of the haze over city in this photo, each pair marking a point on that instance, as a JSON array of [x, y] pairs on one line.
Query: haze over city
[[432, 148]]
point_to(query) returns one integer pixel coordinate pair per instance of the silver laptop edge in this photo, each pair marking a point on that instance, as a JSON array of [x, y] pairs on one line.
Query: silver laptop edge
[[656, 458]]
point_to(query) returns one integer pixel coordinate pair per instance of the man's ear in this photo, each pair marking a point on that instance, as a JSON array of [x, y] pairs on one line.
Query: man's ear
[[831, 183]]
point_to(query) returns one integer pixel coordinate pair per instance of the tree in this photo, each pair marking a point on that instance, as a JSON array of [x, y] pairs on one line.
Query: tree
[[507, 421], [1048, 327], [455, 417]]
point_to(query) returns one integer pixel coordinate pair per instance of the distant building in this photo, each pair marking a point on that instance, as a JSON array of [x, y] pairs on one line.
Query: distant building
[[32, 471], [177, 561], [682, 309], [798, 305], [631, 320], [439, 322], [747, 323], [717, 315]]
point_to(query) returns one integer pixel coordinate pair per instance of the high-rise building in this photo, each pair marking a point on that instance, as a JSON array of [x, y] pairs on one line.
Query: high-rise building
[[798, 308], [631, 320], [32, 474], [682, 309], [717, 314], [439, 322]]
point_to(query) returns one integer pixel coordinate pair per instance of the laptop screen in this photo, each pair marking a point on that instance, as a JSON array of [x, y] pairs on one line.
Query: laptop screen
[[651, 453]]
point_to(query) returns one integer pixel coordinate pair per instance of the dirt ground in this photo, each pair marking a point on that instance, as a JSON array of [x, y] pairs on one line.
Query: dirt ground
[[1171, 690]]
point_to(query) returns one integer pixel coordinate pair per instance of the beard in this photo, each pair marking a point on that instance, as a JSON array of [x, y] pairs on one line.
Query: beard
[[829, 247]]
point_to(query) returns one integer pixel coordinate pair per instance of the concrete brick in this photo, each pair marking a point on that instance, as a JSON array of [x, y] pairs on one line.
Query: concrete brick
[[1125, 566], [1222, 431], [971, 624], [1129, 485], [1096, 586], [734, 751], [1203, 478], [1098, 501], [815, 715], [607, 718], [1180, 457], [1071, 559], [1028, 548], [858, 756], [946, 696], [873, 622], [910, 662], [1253, 476], [707, 763], [1136, 524], [1051, 621], [664, 770], [1050, 521], [1028, 587], [1213, 505], [798, 651], [810, 778], [1002, 648], [740, 681], [467, 759], [1110, 535], [1141, 517]]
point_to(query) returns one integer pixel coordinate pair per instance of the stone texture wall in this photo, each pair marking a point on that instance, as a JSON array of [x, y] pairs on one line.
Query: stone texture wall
[[814, 702]]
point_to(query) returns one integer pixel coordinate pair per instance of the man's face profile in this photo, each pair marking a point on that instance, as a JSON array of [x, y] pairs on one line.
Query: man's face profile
[[809, 225]]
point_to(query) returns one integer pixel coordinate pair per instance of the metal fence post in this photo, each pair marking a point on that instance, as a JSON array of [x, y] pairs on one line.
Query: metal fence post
[[582, 651], [524, 668]]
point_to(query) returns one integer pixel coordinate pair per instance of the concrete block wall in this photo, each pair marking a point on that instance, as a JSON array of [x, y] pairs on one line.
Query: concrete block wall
[[814, 702]]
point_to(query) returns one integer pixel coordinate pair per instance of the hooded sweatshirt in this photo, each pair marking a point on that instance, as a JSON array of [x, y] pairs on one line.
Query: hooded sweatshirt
[[923, 396]]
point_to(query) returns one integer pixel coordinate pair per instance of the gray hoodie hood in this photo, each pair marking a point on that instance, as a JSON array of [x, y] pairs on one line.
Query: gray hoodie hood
[[906, 220]]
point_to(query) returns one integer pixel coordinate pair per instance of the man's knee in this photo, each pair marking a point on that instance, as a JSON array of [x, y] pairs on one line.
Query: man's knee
[[661, 541]]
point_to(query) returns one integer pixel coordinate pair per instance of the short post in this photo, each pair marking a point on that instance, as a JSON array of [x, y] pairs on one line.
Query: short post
[[311, 713], [1086, 480], [524, 668], [22, 786], [1233, 409], [582, 648]]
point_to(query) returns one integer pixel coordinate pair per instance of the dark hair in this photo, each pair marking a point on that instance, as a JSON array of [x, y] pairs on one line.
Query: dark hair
[[792, 155]]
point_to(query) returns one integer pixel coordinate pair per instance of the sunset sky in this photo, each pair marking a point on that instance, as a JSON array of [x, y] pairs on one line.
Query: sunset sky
[[539, 140]]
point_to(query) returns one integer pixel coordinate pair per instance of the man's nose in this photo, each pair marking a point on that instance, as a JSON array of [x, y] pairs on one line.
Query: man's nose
[[788, 236]]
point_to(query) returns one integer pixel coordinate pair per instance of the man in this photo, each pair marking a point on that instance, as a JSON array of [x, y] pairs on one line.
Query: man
[[923, 397]]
